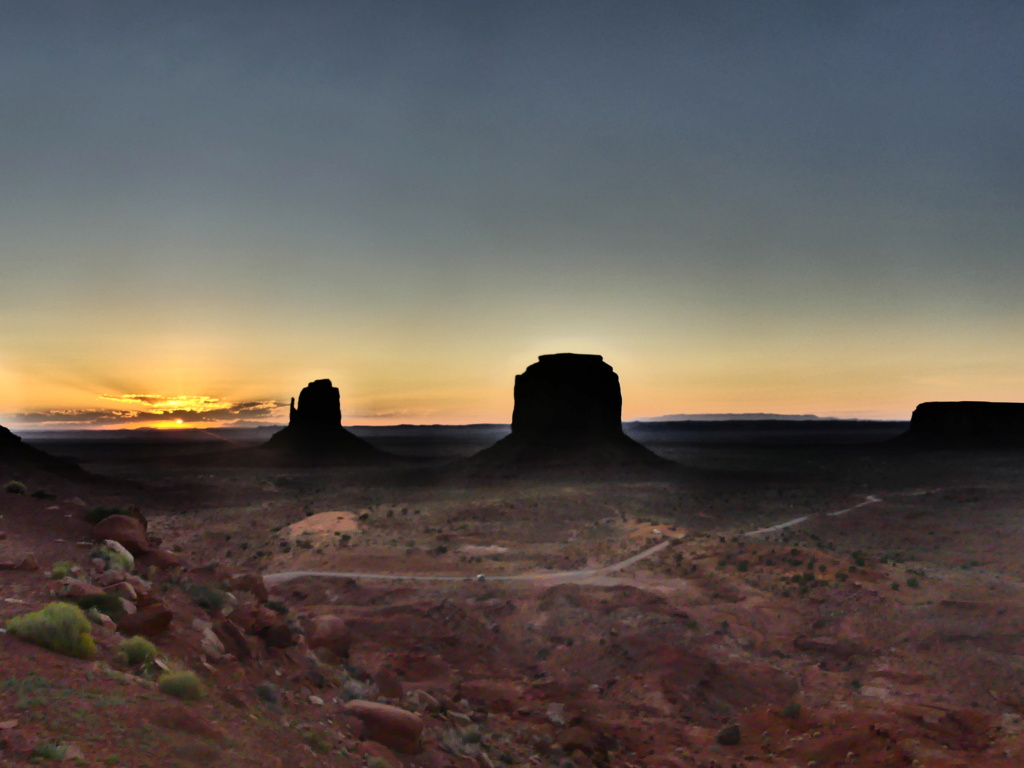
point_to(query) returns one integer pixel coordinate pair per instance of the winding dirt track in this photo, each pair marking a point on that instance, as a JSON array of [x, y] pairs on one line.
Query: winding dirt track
[[577, 575], [583, 573]]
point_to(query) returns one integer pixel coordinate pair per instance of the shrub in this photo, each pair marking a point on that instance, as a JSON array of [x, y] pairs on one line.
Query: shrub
[[181, 685], [61, 569], [138, 650], [116, 558], [60, 627], [41, 494], [49, 751], [267, 692], [105, 603], [15, 486], [207, 598]]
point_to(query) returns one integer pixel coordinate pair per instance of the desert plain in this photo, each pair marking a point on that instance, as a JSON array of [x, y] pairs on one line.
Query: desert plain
[[776, 595]]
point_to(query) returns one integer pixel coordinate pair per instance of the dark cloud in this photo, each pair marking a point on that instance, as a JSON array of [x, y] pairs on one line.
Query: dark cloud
[[254, 411]]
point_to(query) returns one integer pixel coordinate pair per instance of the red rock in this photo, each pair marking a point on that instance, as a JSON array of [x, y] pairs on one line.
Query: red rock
[[577, 738], [126, 531], [395, 728], [160, 559], [278, 635], [76, 589], [388, 684], [109, 578], [332, 633], [249, 582], [149, 622], [27, 563], [233, 639]]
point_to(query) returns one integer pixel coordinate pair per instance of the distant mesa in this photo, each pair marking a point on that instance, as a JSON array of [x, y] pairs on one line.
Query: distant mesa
[[968, 423], [314, 430], [568, 412]]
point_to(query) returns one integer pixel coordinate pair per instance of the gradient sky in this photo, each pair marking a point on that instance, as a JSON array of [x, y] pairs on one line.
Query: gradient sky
[[792, 207]]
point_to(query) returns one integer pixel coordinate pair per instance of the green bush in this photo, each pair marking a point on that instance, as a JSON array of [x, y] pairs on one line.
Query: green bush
[[116, 559], [181, 685], [41, 494], [208, 598], [105, 603], [138, 650], [61, 627], [61, 569], [49, 751], [15, 486]]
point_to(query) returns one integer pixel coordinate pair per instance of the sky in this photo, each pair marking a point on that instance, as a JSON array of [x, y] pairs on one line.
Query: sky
[[786, 207]]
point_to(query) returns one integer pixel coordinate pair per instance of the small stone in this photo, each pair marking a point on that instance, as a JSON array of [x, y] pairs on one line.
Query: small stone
[[316, 700], [73, 752], [28, 563], [729, 736]]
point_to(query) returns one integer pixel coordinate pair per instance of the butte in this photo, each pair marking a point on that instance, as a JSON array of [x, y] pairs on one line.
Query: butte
[[967, 424], [314, 433], [567, 416]]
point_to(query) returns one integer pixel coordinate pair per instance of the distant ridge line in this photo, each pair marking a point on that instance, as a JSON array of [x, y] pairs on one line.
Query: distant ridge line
[[751, 417]]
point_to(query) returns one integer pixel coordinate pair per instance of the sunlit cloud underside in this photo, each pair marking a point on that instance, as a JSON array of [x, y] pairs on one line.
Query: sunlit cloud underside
[[156, 411]]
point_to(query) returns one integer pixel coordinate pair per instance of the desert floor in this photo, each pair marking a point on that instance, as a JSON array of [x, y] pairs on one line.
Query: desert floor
[[842, 603]]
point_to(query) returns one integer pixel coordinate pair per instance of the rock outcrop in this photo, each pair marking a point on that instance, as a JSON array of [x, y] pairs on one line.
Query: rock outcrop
[[567, 413], [314, 432], [567, 397], [14, 453], [968, 423]]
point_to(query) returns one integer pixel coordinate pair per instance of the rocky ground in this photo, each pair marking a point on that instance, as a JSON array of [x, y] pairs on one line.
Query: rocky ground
[[882, 629]]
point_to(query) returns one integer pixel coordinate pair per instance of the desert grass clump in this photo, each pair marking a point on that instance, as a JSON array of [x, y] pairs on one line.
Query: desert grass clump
[[61, 569], [210, 599], [42, 494], [60, 627], [137, 650], [105, 603], [181, 685], [15, 486], [116, 557]]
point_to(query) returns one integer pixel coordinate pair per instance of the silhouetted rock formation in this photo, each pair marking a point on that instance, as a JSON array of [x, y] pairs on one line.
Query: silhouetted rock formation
[[568, 413], [14, 452], [968, 423], [567, 396], [314, 430]]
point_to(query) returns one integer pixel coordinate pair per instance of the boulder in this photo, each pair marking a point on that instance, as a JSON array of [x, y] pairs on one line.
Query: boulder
[[233, 639], [76, 589], [331, 633], [126, 531], [249, 582], [729, 736], [161, 559], [278, 635], [151, 621], [388, 684], [396, 728]]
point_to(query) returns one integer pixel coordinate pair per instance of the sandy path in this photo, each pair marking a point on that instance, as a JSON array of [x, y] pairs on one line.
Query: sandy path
[[583, 573]]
